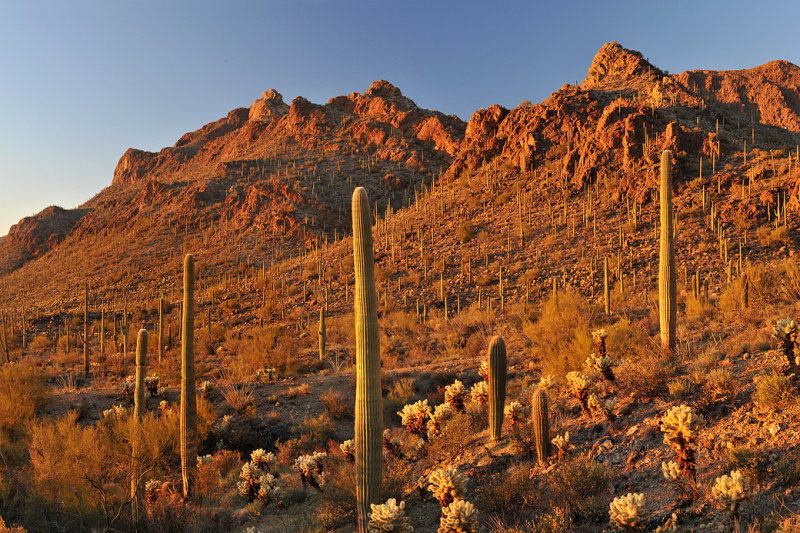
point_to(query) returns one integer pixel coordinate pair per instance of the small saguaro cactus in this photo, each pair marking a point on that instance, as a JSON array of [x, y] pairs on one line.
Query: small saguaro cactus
[[322, 334], [667, 302], [368, 410], [188, 399], [541, 425], [497, 386], [786, 331]]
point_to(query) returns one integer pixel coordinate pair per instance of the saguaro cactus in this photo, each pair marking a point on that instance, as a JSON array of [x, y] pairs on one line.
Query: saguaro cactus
[[160, 329], [497, 386], [86, 327], [139, 407], [541, 425], [322, 334], [188, 398], [606, 290], [368, 411], [667, 303]]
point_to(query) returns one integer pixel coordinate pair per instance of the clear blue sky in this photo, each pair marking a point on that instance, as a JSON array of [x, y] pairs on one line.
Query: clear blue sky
[[81, 81]]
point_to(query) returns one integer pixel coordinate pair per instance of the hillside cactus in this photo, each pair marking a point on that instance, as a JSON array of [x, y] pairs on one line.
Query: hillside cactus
[[540, 420], [786, 331], [603, 364], [415, 418], [562, 443], [389, 517], [152, 489], [496, 386], [311, 469], [599, 338], [603, 407], [459, 517], [680, 427], [579, 389], [188, 422], [546, 382], [667, 301], [265, 461], [729, 490], [368, 410], [627, 512], [456, 395], [516, 412], [441, 414], [447, 485], [322, 334]]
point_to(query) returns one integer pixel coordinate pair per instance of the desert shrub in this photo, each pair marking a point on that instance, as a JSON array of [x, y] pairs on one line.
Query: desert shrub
[[581, 485], [318, 429], [730, 300], [719, 384], [788, 471], [554, 521], [23, 390], [561, 337], [457, 434], [697, 308], [626, 340], [303, 389], [773, 237], [260, 347], [465, 232], [752, 463], [291, 449], [401, 392], [772, 390], [336, 404], [511, 489]]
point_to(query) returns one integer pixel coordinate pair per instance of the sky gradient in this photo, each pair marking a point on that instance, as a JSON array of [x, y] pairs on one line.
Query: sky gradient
[[82, 81]]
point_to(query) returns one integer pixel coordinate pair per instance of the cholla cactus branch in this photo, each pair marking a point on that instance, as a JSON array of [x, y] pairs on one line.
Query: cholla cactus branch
[[456, 396], [459, 517], [389, 517], [579, 389], [447, 485], [786, 331], [627, 512], [415, 418], [729, 490], [680, 426]]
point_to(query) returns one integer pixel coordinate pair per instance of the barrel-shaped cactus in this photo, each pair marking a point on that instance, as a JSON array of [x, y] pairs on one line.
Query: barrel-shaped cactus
[[667, 303], [497, 386], [368, 410], [541, 425], [188, 398]]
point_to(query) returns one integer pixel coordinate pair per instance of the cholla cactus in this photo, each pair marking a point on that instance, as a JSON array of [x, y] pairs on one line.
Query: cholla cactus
[[116, 411], [516, 412], [263, 460], [392, 444], [447, 485], [441, 413], [459, 517], [579, 389], [415, 418], [249, 481], [599, 336], [265, 375], [480, 393], [671, 471], [161, 391], [163, 405], [348, 448], [310, 468], [128, 386], [680, 425], [205, 387], [546, 382], [456, 396], [604, 408], [222, 427], [605, 365], [627, 511], [389, 517], [483, 370], [152, 489], [562, 444], [151, 383], [204, 460], [786, 331], [730, 490], [268, 490]]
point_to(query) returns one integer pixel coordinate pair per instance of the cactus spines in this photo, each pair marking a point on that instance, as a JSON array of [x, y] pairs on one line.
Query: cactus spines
[[368, 410], [188, 399], [497, 386], [786, 331], [389, 517], [667, 303], [541, 425], [322, 334]]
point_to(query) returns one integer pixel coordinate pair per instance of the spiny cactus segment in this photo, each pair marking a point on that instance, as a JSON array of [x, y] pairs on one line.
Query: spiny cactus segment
[[389, 517], [627, 511], [459, 517], [456, 395], [447, 485]]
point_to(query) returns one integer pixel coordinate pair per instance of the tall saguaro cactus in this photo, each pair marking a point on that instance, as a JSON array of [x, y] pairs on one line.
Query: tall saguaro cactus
[[606, 289], [667, 303], [322, 334], [160, 329], [188, 398], [139, 407], [86, 327], [497, 386], [368, 411]]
